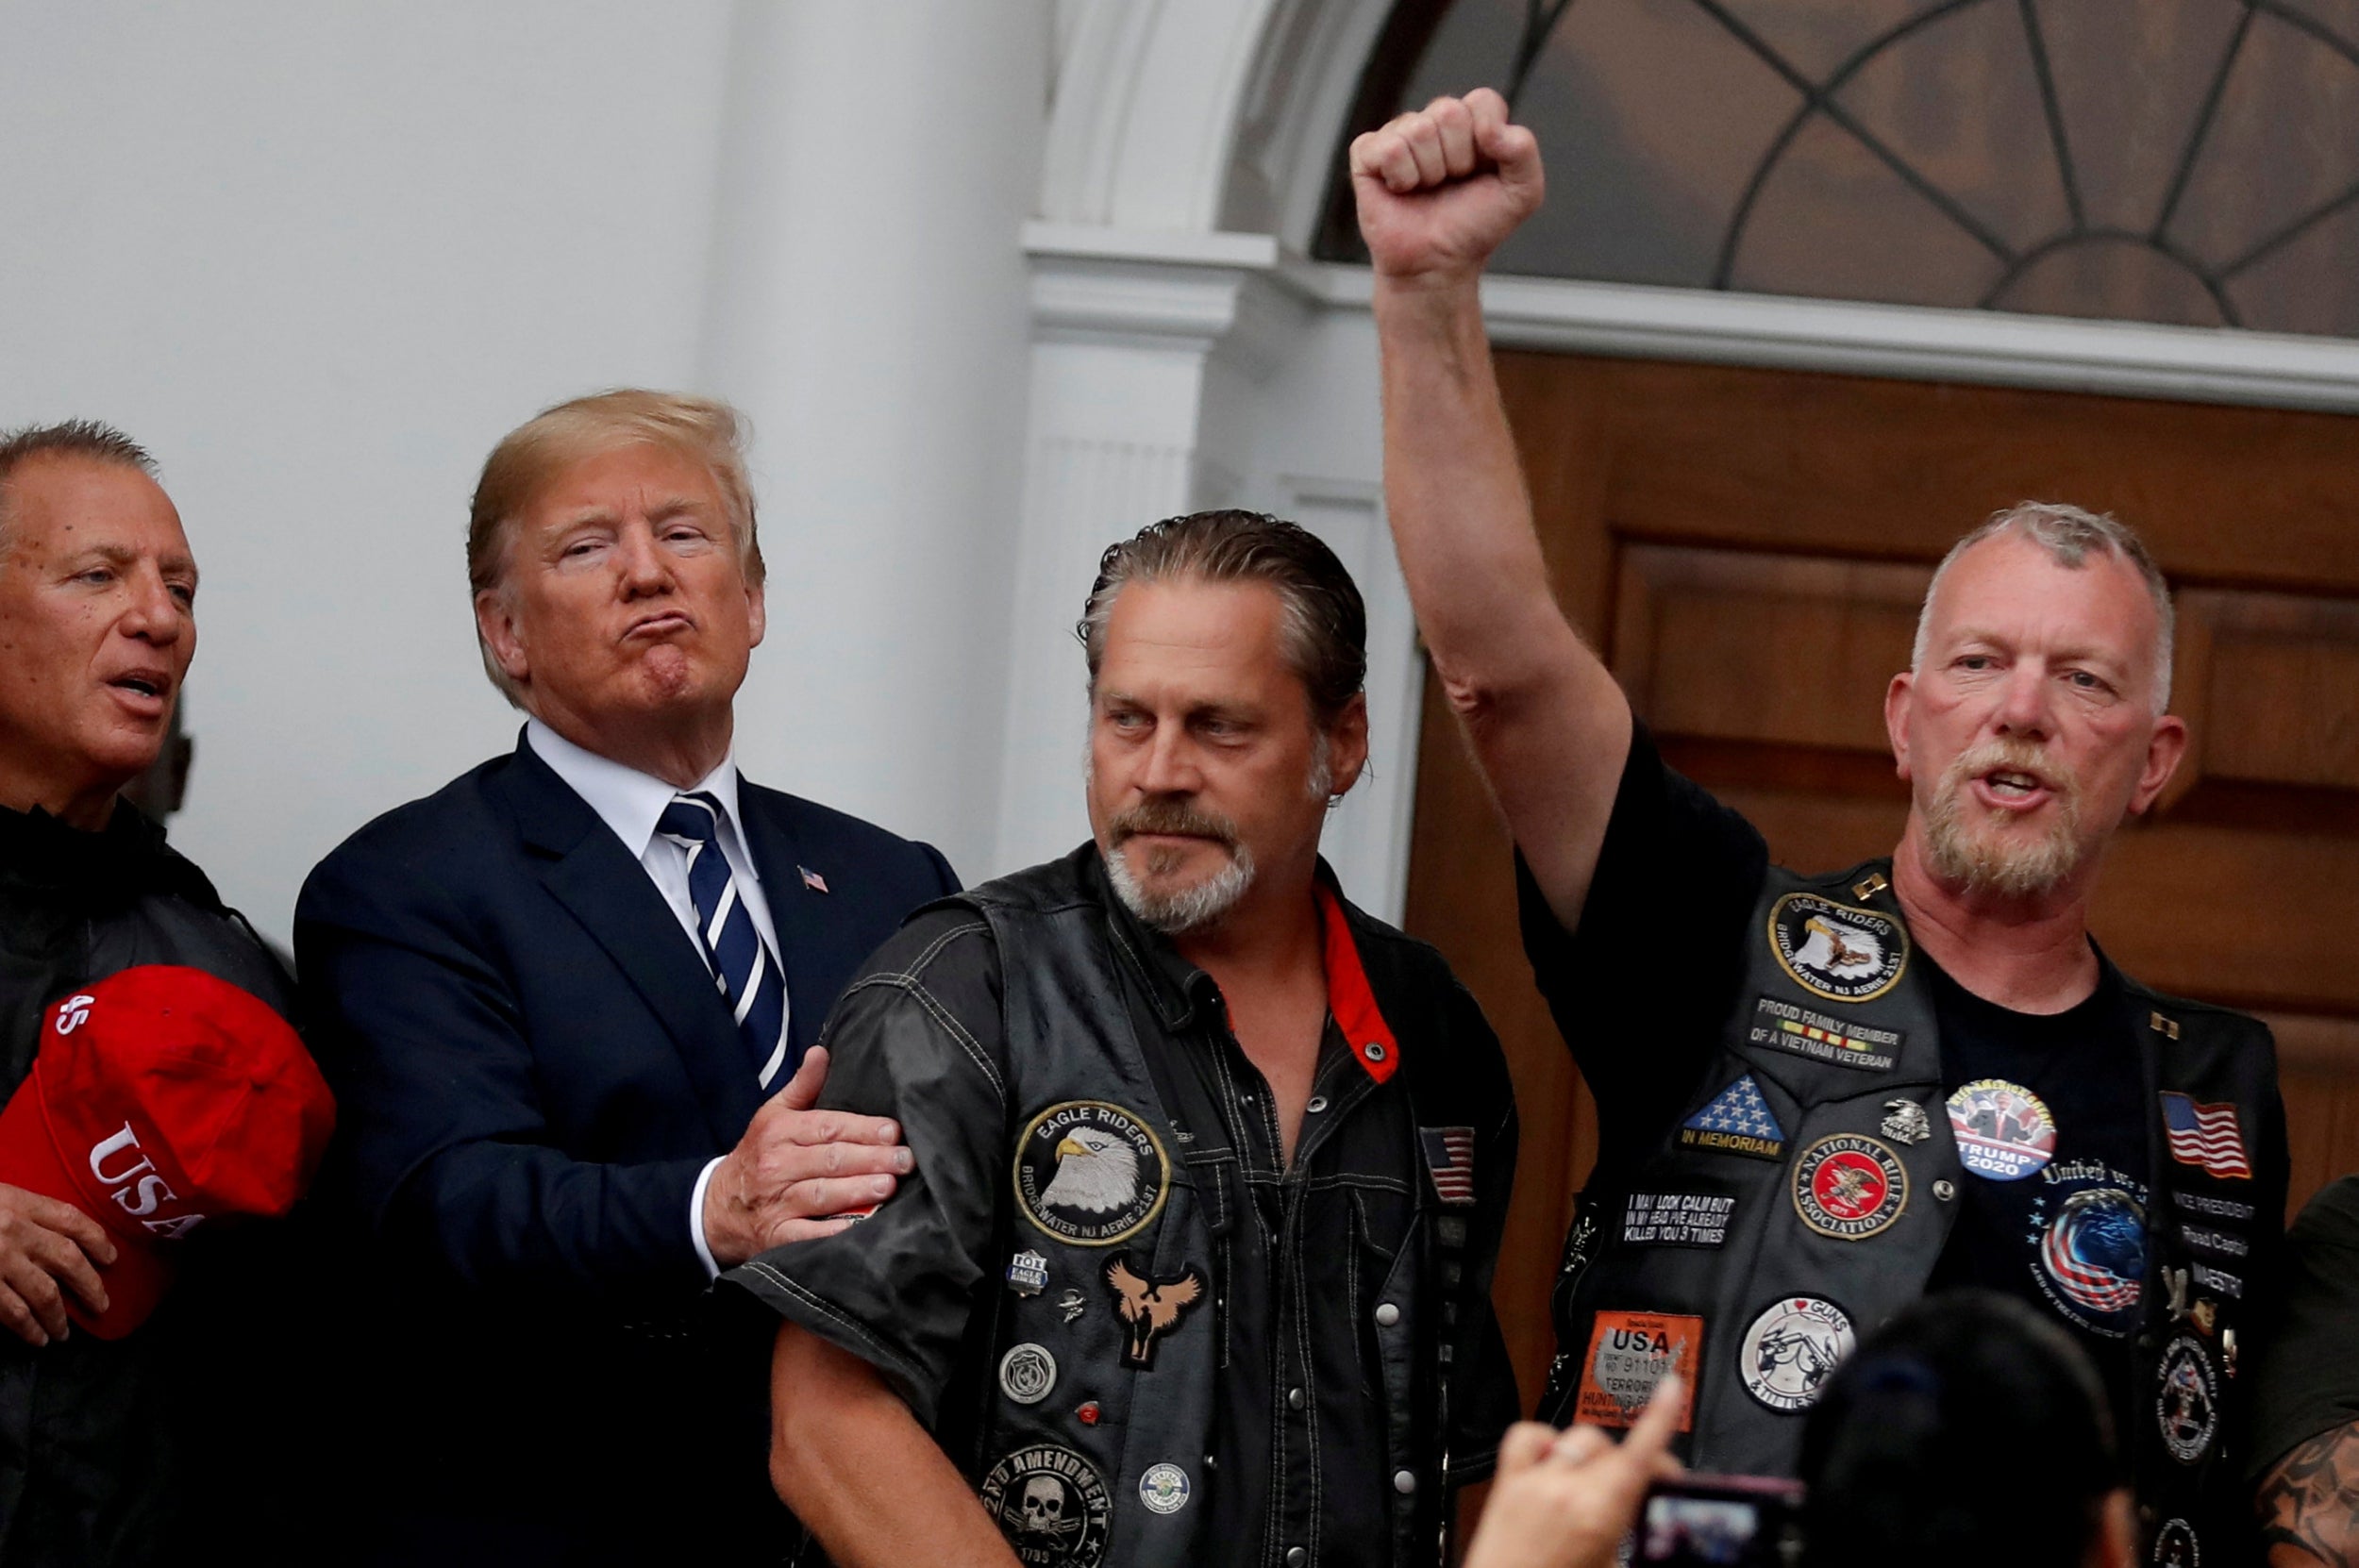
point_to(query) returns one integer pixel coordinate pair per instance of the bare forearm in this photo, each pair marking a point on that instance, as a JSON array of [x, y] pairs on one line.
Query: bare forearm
[[1547, 722], [1454, 490], [857, 1468]]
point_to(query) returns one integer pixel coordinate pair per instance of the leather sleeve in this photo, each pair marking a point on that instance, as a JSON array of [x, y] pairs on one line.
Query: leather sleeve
[[917, 1037]]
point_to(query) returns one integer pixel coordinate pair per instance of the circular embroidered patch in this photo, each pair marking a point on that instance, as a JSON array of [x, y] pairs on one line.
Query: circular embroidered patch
[[1164, 1489], [2004, 1131], [2092, 1256], [1835, 951], [1791, 1350], [1027, 1373], [1052, 1506], [2175, 1545], [1090, 1173], [1849, 1187], [2186, 1400]]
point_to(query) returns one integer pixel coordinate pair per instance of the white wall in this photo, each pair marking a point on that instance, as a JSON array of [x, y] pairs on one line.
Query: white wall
[[318, 257]]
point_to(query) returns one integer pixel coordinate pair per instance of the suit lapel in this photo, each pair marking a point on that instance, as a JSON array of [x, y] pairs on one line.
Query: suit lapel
[[800, 912], [587, 869]]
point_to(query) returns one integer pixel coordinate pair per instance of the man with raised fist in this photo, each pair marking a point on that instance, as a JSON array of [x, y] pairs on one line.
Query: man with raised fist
[[1857, 1087]]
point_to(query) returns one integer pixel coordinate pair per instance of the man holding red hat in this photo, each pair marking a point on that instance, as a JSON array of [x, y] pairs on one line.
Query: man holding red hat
[[153, 1085]]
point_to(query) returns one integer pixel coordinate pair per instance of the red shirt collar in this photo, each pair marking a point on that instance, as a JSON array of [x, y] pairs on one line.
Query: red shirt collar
[[1348, 999]]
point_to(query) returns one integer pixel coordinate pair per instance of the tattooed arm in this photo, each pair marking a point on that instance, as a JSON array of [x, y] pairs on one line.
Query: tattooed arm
[[2309, 1504]]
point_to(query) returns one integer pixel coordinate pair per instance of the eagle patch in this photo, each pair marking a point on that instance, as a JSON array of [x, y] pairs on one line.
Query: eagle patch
[[1090, 1173], [1149, 1308], [1835, 951]]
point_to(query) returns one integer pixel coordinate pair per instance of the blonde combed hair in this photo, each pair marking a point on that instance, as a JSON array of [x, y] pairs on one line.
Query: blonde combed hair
[[531, 456]]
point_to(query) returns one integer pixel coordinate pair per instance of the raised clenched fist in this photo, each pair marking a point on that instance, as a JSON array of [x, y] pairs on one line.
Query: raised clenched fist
[[1441, 189]]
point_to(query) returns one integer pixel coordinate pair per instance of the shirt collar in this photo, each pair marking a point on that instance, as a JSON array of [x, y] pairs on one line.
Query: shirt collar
[[1178, 985], [628, 801]]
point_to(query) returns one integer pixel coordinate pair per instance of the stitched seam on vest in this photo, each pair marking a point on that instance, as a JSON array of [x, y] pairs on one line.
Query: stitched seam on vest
[[827, 1309], [910, 986], [941, 941], [1348, 1181]]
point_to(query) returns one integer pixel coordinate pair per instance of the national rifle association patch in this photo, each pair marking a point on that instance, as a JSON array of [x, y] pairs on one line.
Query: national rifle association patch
[[1090, 1173], [2175, 1545], [2003, 1130], [1791, 1350], [1052, 1506], [1629, 1354], [1849, 1187], [1737, 1121], [1834, 950], [2186, 1400]]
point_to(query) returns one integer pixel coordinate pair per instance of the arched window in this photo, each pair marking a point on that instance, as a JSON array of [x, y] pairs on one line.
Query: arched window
[[2192, 161]]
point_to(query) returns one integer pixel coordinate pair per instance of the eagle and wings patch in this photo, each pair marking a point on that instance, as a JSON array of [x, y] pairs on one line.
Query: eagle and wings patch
[[1090, 1174]]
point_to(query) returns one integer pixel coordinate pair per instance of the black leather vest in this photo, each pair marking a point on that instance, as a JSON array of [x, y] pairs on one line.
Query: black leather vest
[[1131, 1470], [1807, 1194]]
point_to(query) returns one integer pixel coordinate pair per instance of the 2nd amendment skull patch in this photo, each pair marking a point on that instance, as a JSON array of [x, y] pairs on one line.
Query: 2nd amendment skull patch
[[1052, 1506], [1090, 1173], [1835, 951]]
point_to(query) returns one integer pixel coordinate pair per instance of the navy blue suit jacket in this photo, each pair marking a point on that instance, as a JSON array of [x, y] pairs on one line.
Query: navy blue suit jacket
[[532, 1065]]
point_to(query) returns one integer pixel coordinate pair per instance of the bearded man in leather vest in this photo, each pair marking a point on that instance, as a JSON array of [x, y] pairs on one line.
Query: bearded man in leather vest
[[1195, 1266], [1914, 1072]]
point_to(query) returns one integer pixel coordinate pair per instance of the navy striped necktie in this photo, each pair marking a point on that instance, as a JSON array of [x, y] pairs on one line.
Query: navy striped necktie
[[742, 965]]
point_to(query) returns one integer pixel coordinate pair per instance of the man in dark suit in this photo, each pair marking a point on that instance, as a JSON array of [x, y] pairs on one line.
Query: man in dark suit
[[567, 1003]]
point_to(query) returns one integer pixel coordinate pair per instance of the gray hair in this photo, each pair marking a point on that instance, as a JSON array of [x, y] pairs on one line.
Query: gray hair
[[1326, 623], [2070, 535], [71, 438]]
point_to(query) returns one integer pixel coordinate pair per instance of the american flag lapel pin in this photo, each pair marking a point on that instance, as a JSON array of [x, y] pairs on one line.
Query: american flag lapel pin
[[812, 880]]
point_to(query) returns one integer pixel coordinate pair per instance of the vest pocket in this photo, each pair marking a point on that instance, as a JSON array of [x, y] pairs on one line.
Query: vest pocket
[[1380, 1221]]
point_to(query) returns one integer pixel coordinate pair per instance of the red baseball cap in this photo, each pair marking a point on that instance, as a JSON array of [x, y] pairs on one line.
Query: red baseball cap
[[163, 1098]]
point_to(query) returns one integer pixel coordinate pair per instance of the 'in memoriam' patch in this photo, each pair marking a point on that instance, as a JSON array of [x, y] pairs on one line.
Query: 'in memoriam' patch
[[1677, 1219], [1784, 1026], [1737, 1121]]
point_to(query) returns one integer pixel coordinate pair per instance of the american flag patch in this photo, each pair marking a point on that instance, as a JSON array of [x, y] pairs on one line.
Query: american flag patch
[[812, 880], [1449, 1156], [2205, 1136]]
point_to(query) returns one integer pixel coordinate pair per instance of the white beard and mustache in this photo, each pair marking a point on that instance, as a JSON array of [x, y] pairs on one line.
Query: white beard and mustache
[[1982, 859], [1190, 909]]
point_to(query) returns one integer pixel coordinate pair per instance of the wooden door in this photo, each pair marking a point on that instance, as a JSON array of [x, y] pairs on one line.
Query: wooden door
[[1685, 509]]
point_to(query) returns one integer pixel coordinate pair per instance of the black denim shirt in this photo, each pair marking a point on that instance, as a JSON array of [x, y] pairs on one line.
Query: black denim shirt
[[1297, 1473]]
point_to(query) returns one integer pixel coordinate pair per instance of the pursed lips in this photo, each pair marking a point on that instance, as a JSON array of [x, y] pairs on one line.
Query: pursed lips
[[662, 623]]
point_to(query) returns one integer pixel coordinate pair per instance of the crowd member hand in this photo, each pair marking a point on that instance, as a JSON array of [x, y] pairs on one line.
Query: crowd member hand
[[1565, 1499], [1439, 190], [46, 1248], [799, 1173]]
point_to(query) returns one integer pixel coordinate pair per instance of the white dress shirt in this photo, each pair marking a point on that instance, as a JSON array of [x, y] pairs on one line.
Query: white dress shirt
[[630, 803]]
